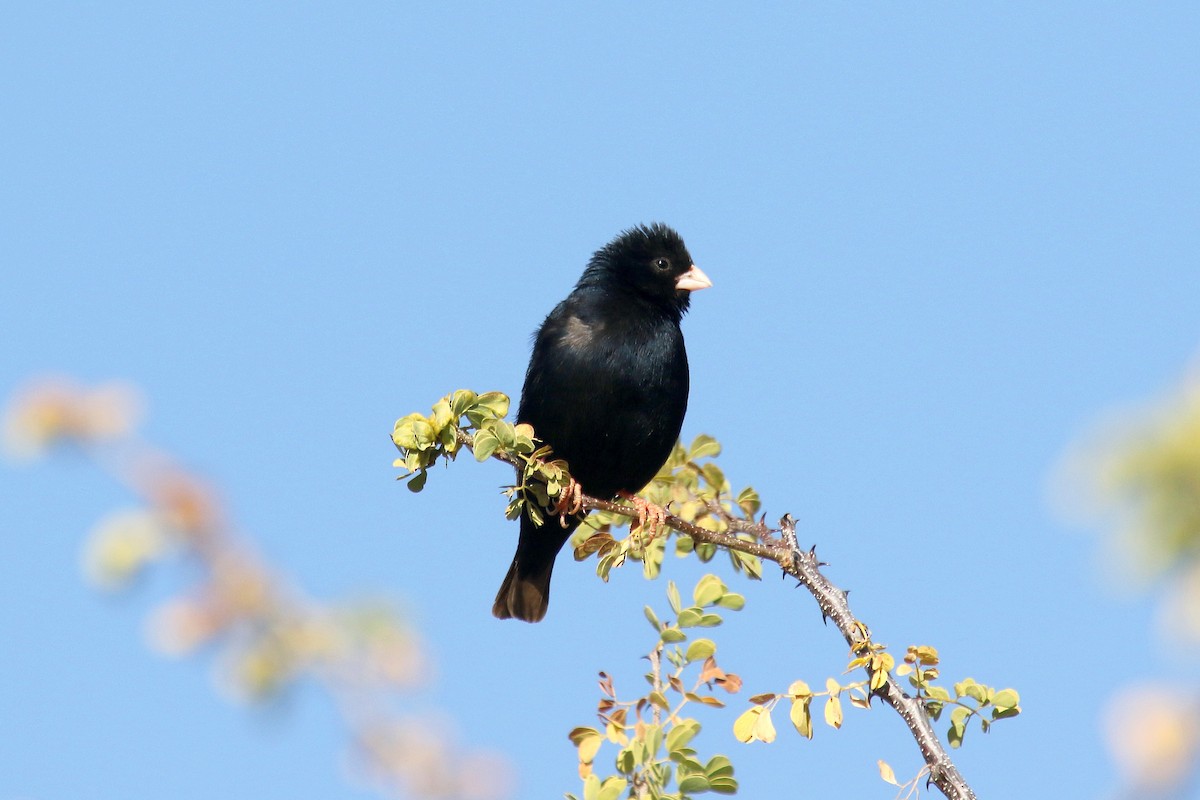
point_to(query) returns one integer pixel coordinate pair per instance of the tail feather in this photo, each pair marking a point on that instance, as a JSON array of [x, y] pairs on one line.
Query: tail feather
[[525, 592], [522, 596]]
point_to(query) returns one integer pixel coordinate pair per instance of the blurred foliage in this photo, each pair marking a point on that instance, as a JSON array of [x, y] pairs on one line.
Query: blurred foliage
[[1139, 477], [1146, 474], [267, 636]]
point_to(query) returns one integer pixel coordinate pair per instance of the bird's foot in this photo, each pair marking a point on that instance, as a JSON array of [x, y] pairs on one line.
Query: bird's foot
[[651, 519], [570, 501]]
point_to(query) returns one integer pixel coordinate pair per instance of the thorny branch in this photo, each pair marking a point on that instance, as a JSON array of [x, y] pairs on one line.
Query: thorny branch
[[804, 566]]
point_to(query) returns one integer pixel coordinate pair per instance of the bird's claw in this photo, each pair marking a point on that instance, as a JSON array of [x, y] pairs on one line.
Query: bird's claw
[[651, 519], [570, 501]]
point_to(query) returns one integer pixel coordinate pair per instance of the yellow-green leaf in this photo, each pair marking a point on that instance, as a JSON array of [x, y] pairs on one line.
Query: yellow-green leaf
[[700, 649], [744, 725], [588, 741], [708, 590], [496, 403], [461, 400], [673, 596], [764, 729], [703, 446], [833, 711], [800, 715], [612, 787], [681, 734]]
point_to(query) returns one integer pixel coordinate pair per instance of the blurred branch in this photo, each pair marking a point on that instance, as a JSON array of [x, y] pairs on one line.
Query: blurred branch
[[269, 636]]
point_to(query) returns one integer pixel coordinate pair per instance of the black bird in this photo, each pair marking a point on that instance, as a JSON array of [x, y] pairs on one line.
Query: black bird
[[606, 388]]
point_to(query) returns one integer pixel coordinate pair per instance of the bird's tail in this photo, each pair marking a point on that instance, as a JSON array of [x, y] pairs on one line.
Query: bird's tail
[[525, 592], [524, 595]]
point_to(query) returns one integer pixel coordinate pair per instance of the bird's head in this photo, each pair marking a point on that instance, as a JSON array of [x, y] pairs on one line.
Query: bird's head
[[652, 262]]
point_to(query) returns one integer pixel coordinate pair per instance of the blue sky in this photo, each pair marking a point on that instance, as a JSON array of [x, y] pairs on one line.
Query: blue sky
[[944, 240]]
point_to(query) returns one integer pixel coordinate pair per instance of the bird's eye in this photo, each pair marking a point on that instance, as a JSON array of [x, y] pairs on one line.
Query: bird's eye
[[662, 264]]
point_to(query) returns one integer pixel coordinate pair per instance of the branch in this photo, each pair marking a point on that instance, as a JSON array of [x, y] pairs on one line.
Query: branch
[[804, 566]]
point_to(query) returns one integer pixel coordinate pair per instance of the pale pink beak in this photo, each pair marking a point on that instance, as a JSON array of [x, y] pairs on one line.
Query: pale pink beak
[[692, 280]]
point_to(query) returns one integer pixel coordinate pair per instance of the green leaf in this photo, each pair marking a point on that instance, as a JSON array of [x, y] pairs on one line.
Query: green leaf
[[690, 617], [708, 590], [654, 736], [723, 785], [673, 596], [672, 635], [967, 687], [681, 734], [514, 508], [958, 726], [486, 443], [653, 618], [732, 601], [749, 501], [441, 414], [460, 401], [747, 563], [1006, 698], [693, 783], [417, 482], [423, 433], [700, 649], [954, 737], [491, 404], [703, 446], [504, 431], [718, 766], [937, 692], [612, 787], [714, 477]]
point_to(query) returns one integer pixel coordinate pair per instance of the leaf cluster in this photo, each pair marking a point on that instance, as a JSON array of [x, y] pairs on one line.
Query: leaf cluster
[[693, 488], [478, 420], [655, 758], [970, 699]]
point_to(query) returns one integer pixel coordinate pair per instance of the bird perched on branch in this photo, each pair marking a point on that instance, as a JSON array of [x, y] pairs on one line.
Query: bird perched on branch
[[606, 388]]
